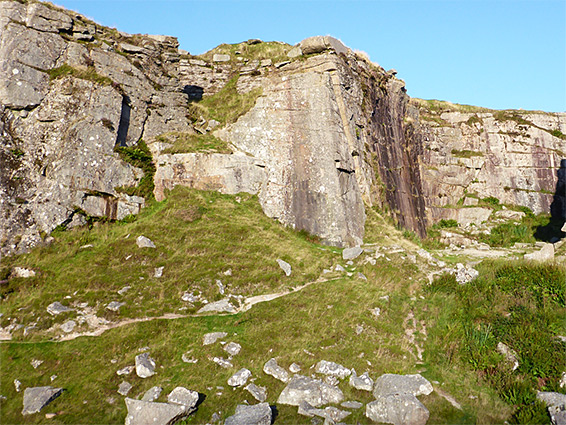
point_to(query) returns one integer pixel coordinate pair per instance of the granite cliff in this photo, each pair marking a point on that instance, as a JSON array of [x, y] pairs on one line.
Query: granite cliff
[[326, 135]]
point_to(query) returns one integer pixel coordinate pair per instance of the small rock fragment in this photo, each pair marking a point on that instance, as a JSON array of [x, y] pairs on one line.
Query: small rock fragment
[[239, 378], [351, 253], [158, 271], [286, 267], [56, 308], [68, 326], [124, 388], [114, 306], [232, 348], [188, 359], [222, 362], [37, 398], [144, 242], [126, 370], [272, 368], [17, 385], [362, 382], [509, 354], [258, 414], [22, 272], [36, 363], [211, 338], [259, 393], [294, 368], [351, 404]]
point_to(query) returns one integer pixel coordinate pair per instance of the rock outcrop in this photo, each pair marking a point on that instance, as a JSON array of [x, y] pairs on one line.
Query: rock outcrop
[[330, 134]]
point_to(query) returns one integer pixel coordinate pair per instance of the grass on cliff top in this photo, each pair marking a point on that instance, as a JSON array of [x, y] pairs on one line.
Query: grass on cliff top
[[276, 51], [198, 240], [188, 143]]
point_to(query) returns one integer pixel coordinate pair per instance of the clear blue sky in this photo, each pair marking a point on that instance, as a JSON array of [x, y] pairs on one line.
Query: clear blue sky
[[493, 53]]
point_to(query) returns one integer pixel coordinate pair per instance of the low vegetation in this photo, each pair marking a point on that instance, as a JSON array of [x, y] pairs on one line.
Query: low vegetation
[[88, 73], [276, 51], [191, 143], [139, 156], [465, 153], [518, 304]]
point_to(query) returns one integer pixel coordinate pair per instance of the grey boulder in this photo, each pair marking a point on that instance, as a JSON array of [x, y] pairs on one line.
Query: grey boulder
[[232, 348], [222, 306], [183, 397], [149, 413], [57, 308], [259, 393], [259, 414], [351, 253], [285, 266], [313, 391], [401, 384], [272, 368], [556, 405], [398, 409], [145, 365], [239, 378], [332, 369], [37, 398], [332, 414], [362, 382], [152, 394], [124, 388]]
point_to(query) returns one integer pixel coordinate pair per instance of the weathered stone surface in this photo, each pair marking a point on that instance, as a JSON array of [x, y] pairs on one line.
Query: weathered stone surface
[[286, 267], [313, 391], [556, 405], [68, 326], [22, 272], [319, 44], [272, 368], [398, 409], [37, 398], [56, 308], [401, 384], [114, 306], [184, 397], [351, 404], [295, 52], [124, 388], [351, 253], [144, 242], [239, 378], [125, 370], [294, 368], [259, 414], [152, 394], [544, 254], [220, 58], [145, 365], [150, 413], [222, 306], [228, 174], [259, 393], [211, 338], [333, 369], [362, 382], [232, 348]]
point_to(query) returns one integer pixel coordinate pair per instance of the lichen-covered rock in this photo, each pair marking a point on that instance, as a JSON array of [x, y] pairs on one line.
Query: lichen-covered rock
[[398, 409], [239, 378], [150, 413], [37, 398], [401, 384], [332, 369], [272, 368], [184, 397], [556, 405], [259, 414], [313, 391], [145, 365]]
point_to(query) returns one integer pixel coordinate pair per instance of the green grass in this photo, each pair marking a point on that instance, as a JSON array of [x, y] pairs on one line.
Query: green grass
[[529, 230], [465, 153], [89, 74], [188, 143], [519, 304], [228, 105], [197, 240], [139, 156], [275, 51]]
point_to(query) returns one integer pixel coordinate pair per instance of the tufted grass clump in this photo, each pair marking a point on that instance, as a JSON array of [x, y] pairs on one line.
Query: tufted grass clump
[[88, 73], [190, 143]]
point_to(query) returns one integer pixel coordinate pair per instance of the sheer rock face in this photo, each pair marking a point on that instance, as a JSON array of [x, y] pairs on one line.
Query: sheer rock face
[[57, 136], [510, 155]]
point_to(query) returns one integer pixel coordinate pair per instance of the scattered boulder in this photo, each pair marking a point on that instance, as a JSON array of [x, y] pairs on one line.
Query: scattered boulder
[[546, 253], [232, 348], [401, 384], [272, 368], [114, 306], [145, 365], [333, 369], [126, 370], [313, 391], [183, 397], [212, 337], [152, 394], [57, 308], [222, 362], [144, 242], [21, 272], [37, 398], [149, 413], [556, 405], [259, 393], [351, 404], [294, 368], [398, 409], [509, 354], [294, 52], [351, 253], [259, 414], [222, 306], [68, 326], [363, 382], [286, 267], [319, 44], [124, 388], [239, 378], [330, 413]]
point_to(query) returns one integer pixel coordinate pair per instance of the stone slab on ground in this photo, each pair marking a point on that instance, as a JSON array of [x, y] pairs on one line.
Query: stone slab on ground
[[396, 409], [259, 414], [313, 391], [401, 384], [212, 337], [272, 368], [145, 365], [150, 413], [36, 398]]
